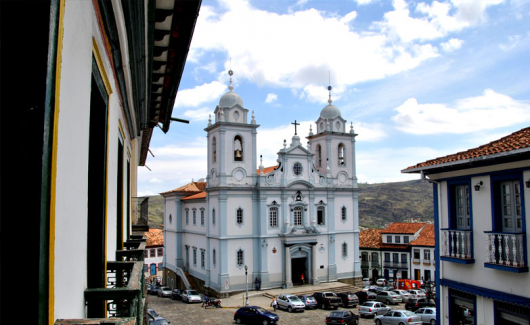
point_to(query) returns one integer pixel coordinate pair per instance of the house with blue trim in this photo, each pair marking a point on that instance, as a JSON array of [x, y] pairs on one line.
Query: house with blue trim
[[275, 224], [481, 200]]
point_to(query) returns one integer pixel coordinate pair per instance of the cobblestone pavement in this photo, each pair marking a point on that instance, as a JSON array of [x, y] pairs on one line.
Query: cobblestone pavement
[[178, 312]]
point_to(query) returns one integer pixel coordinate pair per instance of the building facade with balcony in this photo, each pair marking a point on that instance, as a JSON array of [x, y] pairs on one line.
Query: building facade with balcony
[[92, 80], [403, 250], [275, 224], [154, 255], [481, 200]]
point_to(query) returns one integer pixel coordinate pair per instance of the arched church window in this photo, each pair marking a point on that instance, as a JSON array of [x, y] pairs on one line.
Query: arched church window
[[240, 259], [319, 156], [341, 155], [344, 250], [343, 213], [273, 217], [239, 216], [297, 217], [214, 150], [238, 148], [320, 215]]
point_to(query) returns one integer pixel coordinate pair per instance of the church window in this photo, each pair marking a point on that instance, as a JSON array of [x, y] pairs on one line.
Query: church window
[[194, 256], [239, 216], [187, 216], [337, 126], [343, 213], [298, 216], [341, 155], [203, 258], [320, 216], [273, 217], [214, 257], [297, 169], [214, 150], [194, 216], [240, 259], [319, 156], [238, 148], [213, 216], [344, 250], [202, 217]]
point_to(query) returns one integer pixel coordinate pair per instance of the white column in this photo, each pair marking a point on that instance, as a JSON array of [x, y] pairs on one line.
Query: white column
[[288, 275], [314, 264]]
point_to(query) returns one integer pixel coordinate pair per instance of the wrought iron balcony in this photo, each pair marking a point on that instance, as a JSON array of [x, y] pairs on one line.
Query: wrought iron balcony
[[365, 264], [457, 246], [395, 265], [506, 251]]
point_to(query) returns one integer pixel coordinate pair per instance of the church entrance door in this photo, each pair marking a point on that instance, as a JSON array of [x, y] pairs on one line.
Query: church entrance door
[[299, 267]]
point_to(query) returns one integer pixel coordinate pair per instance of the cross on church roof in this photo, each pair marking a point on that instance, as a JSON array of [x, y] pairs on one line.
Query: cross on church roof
[[295, 124]]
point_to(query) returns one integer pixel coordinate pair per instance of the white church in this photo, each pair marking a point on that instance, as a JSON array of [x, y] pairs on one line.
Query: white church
[[276, 224]]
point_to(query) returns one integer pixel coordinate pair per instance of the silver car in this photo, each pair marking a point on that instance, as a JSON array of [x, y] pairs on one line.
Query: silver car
[[290, 303], [388, 297], [398, 317], [416, 294], [427, 315], [373, 308], [405, 295], [191, 296], [164, 292]]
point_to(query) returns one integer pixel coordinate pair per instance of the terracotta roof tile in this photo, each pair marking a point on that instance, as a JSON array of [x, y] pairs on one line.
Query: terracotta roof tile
[[200, 195], [267, 170], [370, 238], [426, 237], [403, 228], [515, 141], [155, 237], [193, 187]]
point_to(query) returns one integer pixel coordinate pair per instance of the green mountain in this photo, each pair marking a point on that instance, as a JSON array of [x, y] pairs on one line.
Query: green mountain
[[379, 204]]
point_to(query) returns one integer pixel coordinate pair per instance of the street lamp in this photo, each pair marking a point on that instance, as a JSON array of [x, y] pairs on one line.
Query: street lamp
[[246, 286]]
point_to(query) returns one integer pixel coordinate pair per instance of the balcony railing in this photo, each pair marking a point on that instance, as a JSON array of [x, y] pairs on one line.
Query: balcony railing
[[416, 261], [395, 265], [507, 250], [457, 244], [365, 264], [426, 262], [134, 250]]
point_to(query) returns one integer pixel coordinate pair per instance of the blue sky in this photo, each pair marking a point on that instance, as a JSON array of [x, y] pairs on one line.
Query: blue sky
[[418, 80]]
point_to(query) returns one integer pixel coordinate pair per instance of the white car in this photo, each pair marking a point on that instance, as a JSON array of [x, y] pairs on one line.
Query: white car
[[380, 282], [191, 296], [164, 292], [417, 294], [428, 315], [405, 295]]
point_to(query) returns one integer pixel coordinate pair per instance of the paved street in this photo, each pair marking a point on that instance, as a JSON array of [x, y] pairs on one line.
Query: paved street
[[178, 312]]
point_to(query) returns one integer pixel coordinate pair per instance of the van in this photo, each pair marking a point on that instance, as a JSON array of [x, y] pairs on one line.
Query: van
[[407, 284]]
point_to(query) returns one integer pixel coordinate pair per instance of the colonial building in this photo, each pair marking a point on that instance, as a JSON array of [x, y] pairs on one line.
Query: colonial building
[[154, 255], [90, 81], [402, 250], [481, 200], [276, 224]]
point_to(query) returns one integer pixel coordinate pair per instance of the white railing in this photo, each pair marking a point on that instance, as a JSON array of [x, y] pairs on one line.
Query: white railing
[[457, 243], [506, 249]]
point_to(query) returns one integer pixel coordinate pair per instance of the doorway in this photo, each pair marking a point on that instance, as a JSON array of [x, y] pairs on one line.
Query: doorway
[[299, 267]]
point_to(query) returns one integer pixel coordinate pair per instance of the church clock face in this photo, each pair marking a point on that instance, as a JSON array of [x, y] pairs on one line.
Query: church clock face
[[297, 169]]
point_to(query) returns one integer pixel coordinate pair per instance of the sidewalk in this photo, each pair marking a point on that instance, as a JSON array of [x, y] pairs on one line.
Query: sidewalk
[[263, 298]]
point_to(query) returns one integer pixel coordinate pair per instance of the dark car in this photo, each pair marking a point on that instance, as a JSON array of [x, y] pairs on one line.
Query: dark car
[[255, 315], [415, 304], [342, 317], [176, 294], [154, 289], [309, 301], [327, 300], [158, 321], [349, 299]]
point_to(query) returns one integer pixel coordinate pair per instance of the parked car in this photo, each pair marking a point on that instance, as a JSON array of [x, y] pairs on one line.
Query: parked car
[[158, 321], [349, 299], [290, 302], [164, 292], [152, 312], [176, 294], [327, 300], [191, 296], [427, 315], [154, 289], [415, 304], [416, 293], [366, 281], [380, 281], [309, 301], [396, 317], [364, 296], [255, 315], [405, 295], [389, 297], [376, 289], [342, 317], [373, 308]]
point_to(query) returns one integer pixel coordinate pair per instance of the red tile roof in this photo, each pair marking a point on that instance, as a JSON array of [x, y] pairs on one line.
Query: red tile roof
[[267, 170], [403, 228], [155, 237], [426, 237], [515, 141], [200, 195], [370, 238], [190, 188]]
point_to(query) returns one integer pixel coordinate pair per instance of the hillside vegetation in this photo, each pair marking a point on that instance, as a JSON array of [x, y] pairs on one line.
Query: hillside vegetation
[[379, 204]]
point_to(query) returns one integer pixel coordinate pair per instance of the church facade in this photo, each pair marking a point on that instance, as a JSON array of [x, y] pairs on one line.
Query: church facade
[[298, 219]]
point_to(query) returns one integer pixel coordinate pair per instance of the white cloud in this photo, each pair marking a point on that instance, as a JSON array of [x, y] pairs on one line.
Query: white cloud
[[473, 11], [364, 2], [513, 42], [271, 98], [452, 45], [201, 114], [201, 94], [155, 180], [489, 111]]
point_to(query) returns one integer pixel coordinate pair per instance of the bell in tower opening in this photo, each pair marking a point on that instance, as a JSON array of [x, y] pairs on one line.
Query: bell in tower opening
[[238, 150]]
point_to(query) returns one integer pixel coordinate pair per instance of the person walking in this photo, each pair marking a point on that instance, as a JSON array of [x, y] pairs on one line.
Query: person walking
[[302, 278], [274, 303]]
